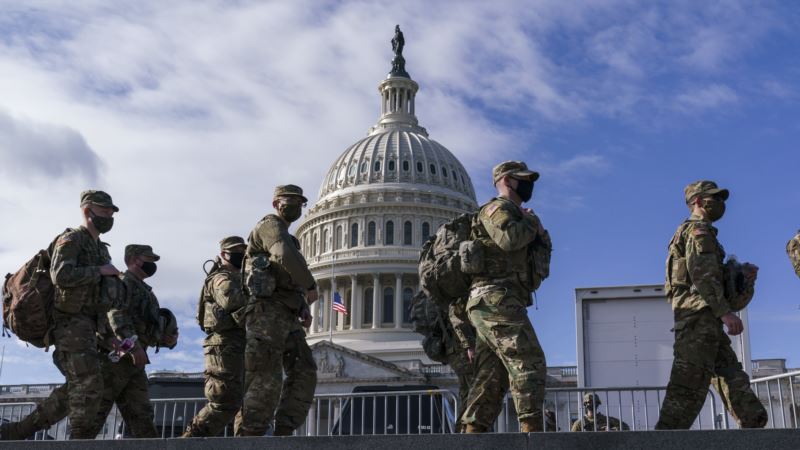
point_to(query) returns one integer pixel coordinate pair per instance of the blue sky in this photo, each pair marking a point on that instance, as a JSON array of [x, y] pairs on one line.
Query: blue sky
[[185, 113]]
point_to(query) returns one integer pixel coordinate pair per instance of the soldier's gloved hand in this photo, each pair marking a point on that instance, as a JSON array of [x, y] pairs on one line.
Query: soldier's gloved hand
[[312, 295], [139, 357], [734, 323]]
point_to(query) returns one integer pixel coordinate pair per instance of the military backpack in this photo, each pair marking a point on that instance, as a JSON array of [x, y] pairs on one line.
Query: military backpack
[[428, 319], [793, 250], [738, 288], [28, 296], [440, 261]]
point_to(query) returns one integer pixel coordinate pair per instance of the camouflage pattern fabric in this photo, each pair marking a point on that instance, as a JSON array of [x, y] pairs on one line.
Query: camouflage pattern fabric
[[702, 351], [75, 270], [137, 313], [224, 359], [127, 386], [703, 355], [276, 343], [275, 339], [507, 351], [603, 423], [793, 250], [507, 354], [457, 357]]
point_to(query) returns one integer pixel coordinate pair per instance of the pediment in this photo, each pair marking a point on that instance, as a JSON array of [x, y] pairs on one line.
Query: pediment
[[338, 363]]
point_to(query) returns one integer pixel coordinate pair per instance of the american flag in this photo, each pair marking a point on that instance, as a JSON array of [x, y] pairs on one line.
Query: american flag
[[337, 303]]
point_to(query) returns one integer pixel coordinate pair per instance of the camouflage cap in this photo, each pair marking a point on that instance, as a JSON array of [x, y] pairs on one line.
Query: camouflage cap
[[591, 398], [140, 250], [232, 243], [98, 198], [291, 190], [703, 187], [516, 169]]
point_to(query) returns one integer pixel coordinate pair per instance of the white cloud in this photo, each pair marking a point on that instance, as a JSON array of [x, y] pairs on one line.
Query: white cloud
[[707, 97]]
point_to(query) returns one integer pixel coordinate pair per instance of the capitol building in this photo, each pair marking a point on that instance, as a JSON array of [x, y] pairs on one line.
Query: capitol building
[[381, 199]]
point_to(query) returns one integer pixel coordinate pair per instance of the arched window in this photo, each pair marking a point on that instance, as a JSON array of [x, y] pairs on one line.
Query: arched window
[[363, 167], [352, 170], [321, 311], [391, 165], [377, 166], [426, 231], [433, 169], [389, 233], [314, 245], [408, 294], [419, 166], [354, 235], [324, 240], [337, 238], [388, 305], [408, 235], [367, 309], [371, 233], [405, 166], [444, 172]]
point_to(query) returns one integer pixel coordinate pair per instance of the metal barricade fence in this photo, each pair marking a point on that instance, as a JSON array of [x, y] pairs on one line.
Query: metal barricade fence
[[777, 394]]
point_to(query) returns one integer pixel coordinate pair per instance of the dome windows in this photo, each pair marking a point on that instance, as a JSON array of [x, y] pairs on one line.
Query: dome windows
[[389, 239], [377, 166], [408, 234], [388, 306], [364, 167], [352, 171], [444, 172], [419, 166], [391, 165], [426, 231], [405, 166], [354, 235], [433, 169], [371, 232]]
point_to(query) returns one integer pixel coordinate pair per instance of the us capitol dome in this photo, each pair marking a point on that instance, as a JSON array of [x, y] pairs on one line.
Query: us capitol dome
[[379, 201]]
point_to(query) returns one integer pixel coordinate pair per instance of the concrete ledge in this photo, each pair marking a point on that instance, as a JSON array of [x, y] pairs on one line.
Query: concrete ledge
[[651, 440]]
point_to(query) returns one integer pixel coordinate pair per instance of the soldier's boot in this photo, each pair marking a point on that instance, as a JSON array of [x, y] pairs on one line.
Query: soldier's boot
[[475, 428], [283, 430], [18, 431], [530, 425]]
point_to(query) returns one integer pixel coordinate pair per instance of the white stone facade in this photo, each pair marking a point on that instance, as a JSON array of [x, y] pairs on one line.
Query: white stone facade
[[379, 202]]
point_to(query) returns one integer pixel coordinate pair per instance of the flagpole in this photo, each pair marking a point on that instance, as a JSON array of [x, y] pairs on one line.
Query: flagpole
[[333, 295]]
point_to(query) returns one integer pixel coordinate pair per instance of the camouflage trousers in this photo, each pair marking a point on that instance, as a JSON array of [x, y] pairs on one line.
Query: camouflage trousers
[[123, 383], [224, 372], [461, 365], [77, 358], [703, 356], [275, 344], [507, 354]]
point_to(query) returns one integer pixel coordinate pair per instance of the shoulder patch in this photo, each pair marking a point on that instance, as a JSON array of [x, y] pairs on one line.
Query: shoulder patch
[[491, 209], [65, 239], [699, 231]]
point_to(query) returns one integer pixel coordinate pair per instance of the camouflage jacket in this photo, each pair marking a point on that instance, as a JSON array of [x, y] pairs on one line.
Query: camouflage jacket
[[462, 327], [505, 232], [694, 270], [603, 423], [75, 271], [136, 312], [271, 237], [793, 250], [222, 294]]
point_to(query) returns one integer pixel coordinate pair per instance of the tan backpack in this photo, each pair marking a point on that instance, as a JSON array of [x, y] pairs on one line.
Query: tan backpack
[[28, 296]]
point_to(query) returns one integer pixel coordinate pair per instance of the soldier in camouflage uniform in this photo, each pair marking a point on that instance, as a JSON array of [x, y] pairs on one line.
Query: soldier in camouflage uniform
[[507, 352], [134, 311], [137, 316], [592, 420], [279, 287], [221, 302], [793, 250], [460, 352], [78, 263], [702, 351]]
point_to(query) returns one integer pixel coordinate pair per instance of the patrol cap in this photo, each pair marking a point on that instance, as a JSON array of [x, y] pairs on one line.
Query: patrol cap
[[98, 198], [516, 169], [290, 190], [232, 243], [140, 250], [591, 398], [703, 187]]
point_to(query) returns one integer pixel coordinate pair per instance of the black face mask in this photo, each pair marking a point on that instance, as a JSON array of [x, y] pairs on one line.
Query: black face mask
[[149, 268], [102, 224], [524, 190], [235, 259], [290, 212]]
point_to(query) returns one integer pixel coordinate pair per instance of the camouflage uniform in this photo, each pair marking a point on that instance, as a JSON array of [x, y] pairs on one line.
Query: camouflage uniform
[[702, 350], [597, 422], [75, 270], [793, 250], [457, 357], [507, 351], [223, 346], [275, 337]]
